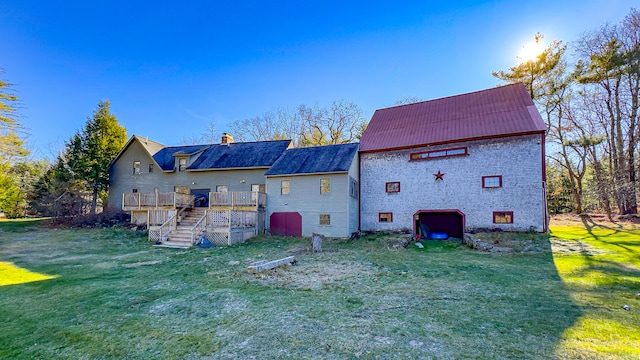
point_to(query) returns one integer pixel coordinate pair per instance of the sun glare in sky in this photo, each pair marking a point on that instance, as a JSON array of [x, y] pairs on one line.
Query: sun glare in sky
[[10, 274], [531, 51]]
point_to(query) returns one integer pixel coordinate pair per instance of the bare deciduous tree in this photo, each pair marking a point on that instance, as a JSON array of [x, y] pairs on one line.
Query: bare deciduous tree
[[342, 122]]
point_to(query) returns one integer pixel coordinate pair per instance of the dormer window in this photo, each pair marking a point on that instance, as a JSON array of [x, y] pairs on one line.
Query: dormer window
[[182, 164]]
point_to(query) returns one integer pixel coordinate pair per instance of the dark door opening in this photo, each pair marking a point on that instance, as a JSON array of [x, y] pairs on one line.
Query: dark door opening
[[450, 222], [201, 197]]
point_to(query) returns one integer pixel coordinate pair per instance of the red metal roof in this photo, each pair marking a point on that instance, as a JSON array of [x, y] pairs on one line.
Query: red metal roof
[[497, 112]]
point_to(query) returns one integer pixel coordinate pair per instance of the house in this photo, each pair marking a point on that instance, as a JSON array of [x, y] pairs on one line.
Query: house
[[448, 165], [170, 184], [454, 164], [314, 189]]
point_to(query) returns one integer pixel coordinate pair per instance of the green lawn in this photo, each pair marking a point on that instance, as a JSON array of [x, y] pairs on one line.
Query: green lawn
[[110, 294]]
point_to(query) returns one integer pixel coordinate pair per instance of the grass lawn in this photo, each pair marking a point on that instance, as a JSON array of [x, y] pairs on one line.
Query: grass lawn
[[87, 294]]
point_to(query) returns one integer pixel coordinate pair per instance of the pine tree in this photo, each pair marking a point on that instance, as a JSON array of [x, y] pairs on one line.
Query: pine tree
[[91, 150]]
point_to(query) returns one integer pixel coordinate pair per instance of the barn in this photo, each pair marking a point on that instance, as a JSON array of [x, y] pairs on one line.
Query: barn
[[450, 165]]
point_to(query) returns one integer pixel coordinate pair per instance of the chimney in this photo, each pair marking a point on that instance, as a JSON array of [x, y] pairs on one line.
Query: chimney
[[227, 138]]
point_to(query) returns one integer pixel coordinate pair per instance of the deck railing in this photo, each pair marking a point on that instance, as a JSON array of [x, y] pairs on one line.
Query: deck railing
[[231, 218], [237, 199], [155, 200], [159, 217]]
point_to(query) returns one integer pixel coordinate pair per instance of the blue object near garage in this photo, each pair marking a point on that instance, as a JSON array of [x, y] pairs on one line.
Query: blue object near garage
[[438, 236]]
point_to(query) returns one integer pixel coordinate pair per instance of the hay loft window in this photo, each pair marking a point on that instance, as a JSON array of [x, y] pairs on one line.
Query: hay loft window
[[285, 187], [150, 168], [503, 217], [494, 181], [392, 187], [325, 186], [385, 217], [437, 154], [136, 168], [353, 188], [182, 164], [325, 219]]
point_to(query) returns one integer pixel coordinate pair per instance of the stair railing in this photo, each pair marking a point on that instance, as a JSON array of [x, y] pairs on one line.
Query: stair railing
[[162, 232], [199, 227]]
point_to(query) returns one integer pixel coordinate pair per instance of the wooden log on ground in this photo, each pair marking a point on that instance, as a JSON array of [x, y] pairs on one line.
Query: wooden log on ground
[[262, 265], [316, 242]]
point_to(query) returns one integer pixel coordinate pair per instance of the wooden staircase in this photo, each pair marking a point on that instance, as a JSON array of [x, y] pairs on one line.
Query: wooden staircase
[[182, 237]]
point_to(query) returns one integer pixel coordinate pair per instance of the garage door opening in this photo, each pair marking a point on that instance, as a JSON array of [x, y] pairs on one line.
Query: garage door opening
[[450, 222]]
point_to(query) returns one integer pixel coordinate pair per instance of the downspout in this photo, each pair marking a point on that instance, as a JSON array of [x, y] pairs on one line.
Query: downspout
[[359, 192], [545, 210]]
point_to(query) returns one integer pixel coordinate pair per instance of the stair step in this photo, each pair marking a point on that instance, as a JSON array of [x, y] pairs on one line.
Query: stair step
[[180, 236]]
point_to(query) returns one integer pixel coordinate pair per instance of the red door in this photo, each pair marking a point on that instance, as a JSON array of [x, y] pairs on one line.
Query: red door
[[286, 224]]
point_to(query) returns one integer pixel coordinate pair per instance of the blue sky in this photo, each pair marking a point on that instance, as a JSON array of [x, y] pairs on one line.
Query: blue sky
[[170, 68]]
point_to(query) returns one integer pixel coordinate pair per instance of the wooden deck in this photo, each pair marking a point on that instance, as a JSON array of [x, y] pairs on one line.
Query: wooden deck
[[220, 227], [237, 200], [156, 200]]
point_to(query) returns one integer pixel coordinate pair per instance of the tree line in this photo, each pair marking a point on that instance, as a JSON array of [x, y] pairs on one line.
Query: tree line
[[588, 94], [76, 182]]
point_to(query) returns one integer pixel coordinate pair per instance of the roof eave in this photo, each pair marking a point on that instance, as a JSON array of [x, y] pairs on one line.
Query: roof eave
[[127, 144], [309, 174], [231, 168]]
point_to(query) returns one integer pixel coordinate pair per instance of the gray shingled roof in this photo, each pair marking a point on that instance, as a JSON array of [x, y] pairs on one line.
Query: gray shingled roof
[[319, 159], [240, 155], [165, 157]]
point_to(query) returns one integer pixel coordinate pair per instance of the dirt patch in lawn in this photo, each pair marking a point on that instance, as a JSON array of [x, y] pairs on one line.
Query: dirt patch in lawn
[[312, 276]]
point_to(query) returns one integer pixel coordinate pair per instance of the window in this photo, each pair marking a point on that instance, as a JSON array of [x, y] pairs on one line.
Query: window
[[353, 187], [494, 181], [325, 186], [182, 164], [325, 219], [134, 191], [222, 188], [393, 187], [284, 187], [503, 217], [434, 154], [258, 188], [385, 217], [181, 189], [136, 168], [150, 168]]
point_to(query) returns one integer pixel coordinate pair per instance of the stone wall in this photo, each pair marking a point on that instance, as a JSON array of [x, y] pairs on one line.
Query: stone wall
[[519, 160]]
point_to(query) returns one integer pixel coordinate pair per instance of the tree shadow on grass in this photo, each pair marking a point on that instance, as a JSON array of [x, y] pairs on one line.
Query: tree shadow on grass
[[602, 278]]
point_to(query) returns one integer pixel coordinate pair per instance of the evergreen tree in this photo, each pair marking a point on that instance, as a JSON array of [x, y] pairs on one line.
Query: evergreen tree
[[11, 150], [90, 151]]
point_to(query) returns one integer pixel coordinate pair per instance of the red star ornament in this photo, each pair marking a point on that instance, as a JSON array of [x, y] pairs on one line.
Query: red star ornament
[[439, 176]]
